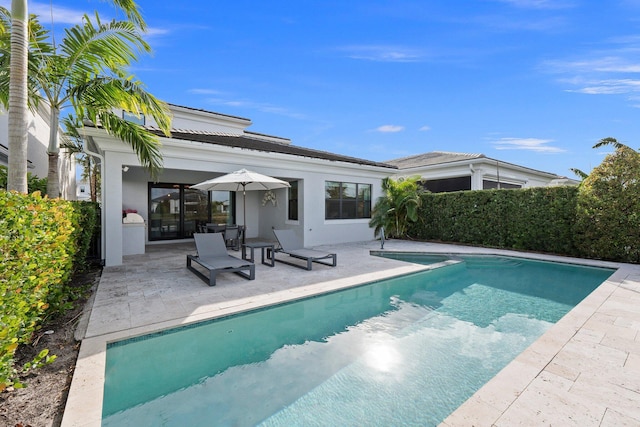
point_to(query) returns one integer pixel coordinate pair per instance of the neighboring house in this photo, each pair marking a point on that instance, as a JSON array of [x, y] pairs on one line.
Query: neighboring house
[[38, 141], [330, 198], [444, 172]]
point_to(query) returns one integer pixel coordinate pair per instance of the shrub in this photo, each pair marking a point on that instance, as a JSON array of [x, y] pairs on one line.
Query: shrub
[[37, 251], [33, 182], [608, 209], [535, 219]]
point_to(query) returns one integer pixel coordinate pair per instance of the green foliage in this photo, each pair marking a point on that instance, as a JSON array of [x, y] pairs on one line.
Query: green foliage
[[608, 212], [33, 182], [37, 251], [87, 216], [398, 207], [535, 219]]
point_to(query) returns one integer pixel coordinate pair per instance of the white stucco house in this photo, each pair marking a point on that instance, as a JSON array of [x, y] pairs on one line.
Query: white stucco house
[[38, 141], [445, 171], [329, 201]]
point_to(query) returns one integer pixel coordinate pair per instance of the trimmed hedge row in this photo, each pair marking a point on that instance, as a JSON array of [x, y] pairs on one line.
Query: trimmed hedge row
[[41, 240], [534, 219]]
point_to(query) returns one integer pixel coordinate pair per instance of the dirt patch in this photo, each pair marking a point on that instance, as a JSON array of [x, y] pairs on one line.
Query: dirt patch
[[41, 403]]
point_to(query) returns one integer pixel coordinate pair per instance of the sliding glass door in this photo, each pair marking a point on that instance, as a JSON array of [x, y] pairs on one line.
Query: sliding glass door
[[177, 211]]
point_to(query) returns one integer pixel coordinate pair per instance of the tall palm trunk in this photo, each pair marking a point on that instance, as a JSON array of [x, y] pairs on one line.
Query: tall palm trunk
[[53, 180], [18, 135]]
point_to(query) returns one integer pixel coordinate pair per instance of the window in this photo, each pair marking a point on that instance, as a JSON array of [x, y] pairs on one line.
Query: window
[[346, 200], [488, 185], [446, 185], [133, 117], [293, 201]]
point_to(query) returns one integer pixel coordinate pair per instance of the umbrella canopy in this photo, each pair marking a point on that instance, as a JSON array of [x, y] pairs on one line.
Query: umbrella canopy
[[242, 180]]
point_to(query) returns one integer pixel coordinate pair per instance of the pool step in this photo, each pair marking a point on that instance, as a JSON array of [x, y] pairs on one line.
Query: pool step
[[493, 262]]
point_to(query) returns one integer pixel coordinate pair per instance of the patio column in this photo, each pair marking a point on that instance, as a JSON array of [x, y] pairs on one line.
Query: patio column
[[477, 176], [112, 209]]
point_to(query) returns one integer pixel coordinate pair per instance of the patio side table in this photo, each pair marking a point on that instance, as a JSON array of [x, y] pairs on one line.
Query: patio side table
[[268, 246]]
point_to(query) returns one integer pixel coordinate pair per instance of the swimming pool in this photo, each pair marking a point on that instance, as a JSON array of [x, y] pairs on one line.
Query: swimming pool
[[409, 349]]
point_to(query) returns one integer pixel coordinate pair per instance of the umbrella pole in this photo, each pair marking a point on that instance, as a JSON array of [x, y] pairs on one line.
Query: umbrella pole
[[244, 212]]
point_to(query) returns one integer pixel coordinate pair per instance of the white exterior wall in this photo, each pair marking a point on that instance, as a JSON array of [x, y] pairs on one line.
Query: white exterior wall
[[38, 140], [38, 143]]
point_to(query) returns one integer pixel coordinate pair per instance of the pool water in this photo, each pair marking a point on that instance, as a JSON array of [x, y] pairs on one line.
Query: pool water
[[403, 351]]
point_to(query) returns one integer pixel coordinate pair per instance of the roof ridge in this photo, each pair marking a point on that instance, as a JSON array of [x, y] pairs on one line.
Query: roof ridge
[[459, 153]]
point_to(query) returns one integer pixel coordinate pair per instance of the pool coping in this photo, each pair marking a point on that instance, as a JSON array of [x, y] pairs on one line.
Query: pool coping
[[486, 407]]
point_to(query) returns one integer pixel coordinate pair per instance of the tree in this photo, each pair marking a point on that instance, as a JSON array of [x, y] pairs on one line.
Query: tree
[[397, 207], [17, 97], [88, 72], [608, 210]]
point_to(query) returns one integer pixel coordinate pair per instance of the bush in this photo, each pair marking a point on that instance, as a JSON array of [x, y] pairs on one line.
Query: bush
[[87, 218], [33, 182], [608, 209], [534, 219], [39, 243]]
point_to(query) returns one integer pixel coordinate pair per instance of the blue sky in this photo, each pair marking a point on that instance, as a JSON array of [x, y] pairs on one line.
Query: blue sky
[[532, 82]]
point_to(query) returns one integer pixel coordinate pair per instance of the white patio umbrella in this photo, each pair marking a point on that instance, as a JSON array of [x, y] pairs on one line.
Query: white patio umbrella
[[242, 180]]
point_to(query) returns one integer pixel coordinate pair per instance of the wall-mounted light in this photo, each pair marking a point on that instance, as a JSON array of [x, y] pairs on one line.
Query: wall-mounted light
[[125, 168]]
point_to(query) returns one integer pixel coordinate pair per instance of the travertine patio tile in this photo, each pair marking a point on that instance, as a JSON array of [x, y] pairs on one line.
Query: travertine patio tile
[[586, 335], [633, 362], [628, 345], [474, 412], [507, 385], [577, 356], [620, 331], [603, 318], [632, 323], [543, 403], [616, 419], [622, 390]]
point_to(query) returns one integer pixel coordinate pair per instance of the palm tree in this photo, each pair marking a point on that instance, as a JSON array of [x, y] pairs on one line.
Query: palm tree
[[87, 71], [17, 102], [604, 141], [397, 207]]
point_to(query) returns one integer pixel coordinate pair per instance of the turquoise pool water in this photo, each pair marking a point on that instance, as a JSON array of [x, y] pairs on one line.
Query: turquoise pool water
[[404, 351]]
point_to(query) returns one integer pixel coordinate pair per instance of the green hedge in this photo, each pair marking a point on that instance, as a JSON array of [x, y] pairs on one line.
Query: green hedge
[[535, 219], [41, 240]]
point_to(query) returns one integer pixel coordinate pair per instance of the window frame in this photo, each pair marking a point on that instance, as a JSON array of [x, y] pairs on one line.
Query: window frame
[[346, 206]]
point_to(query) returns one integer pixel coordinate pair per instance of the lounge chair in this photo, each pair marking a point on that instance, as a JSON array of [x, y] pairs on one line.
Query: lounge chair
[[213, 256], [291, 245]]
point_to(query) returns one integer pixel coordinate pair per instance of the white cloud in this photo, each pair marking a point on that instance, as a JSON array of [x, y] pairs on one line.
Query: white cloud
[[603, 64], [527, 144], [608, 87], [247, 104], [424, 128], [383, 53], [610, 71], [390, 128], [205, 91]]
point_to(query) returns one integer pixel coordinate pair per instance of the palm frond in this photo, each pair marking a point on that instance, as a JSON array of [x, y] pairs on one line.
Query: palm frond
[[130, 8], [579, 173], [610, 141], [145, 144]]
